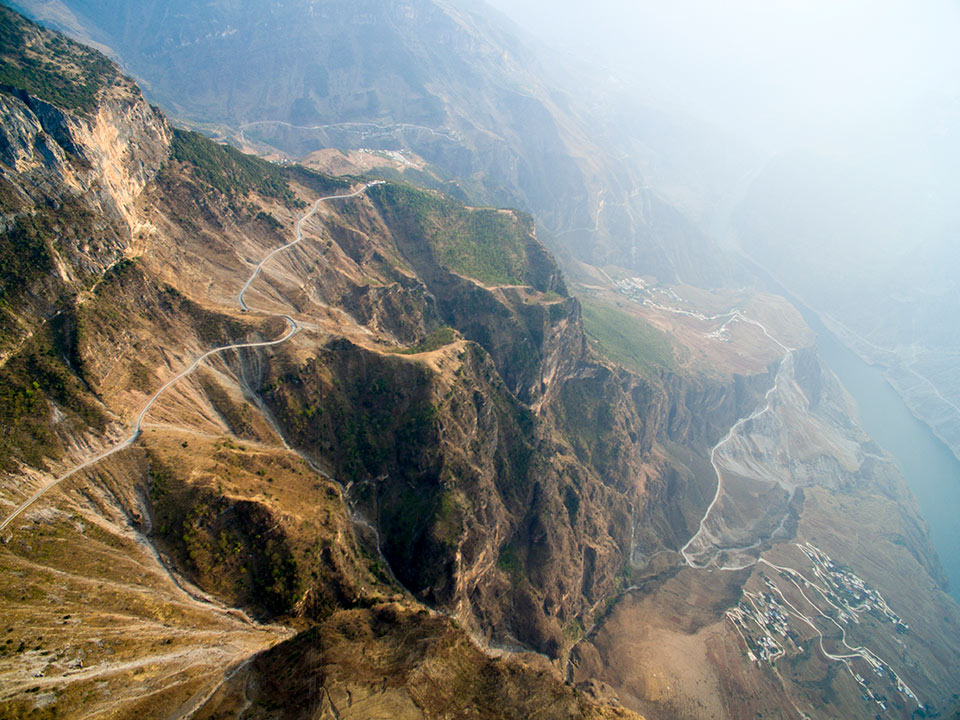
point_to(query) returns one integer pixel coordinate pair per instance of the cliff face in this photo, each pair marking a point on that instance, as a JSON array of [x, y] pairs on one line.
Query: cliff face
[[105, 144], [72, 163]]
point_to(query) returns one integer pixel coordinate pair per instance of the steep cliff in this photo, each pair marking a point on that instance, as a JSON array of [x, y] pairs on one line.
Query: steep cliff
[[78, 145]]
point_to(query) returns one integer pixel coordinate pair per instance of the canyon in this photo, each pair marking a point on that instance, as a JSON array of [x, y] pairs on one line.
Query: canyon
[[291, 441]]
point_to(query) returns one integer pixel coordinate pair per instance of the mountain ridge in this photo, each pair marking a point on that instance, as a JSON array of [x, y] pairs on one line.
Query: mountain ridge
[[521, 141]]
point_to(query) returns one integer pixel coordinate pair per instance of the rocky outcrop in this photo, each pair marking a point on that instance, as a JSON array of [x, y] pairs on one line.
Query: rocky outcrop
[[338, 668], [106, 149], [107, 158]]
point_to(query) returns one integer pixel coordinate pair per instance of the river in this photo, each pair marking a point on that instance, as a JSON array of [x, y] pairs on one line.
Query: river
[[930, 469]]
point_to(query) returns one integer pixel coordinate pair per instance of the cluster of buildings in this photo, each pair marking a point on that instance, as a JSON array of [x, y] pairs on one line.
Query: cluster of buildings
[[762, 620], [847, 592], [666, 300], [764, 625], [639, 290], [882, 672], [635, 288]]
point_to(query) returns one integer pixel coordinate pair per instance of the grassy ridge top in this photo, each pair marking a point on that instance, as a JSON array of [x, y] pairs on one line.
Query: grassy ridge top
[[626, 339], [49, 66], [229, 170], [485, 244], [233, 172]]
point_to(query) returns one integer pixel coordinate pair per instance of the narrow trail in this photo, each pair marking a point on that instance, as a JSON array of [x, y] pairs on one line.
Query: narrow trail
[[292, 329]]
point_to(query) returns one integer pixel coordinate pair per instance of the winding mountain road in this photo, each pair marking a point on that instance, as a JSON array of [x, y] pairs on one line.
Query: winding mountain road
[[735, 315], [292, 329], [861, 652]]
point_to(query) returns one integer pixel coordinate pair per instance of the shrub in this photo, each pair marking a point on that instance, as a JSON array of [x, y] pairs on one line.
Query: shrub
[[228, 170]]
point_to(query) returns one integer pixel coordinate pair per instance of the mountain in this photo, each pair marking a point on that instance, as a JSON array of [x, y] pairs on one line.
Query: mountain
[[448, 81], [287, 444], [208, 505]]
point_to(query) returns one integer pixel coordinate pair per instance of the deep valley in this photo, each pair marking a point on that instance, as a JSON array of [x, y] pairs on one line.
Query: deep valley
[[309, 426]]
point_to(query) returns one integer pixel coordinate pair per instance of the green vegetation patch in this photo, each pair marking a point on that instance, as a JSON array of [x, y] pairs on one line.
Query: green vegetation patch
[[27, 245], [484, 244], [49, 66], [510, 562], [25, 252], [212, 328], [269, 220], [626, 339], [238, 416], [318, 182], [230, 171], [233, 547], [441, 337]]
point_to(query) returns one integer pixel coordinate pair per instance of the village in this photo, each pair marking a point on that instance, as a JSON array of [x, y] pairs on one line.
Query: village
[[764, 620], [849, 592]]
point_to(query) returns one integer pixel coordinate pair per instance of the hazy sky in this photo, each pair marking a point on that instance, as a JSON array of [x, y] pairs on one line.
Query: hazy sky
[[780, 68], [854, 102]]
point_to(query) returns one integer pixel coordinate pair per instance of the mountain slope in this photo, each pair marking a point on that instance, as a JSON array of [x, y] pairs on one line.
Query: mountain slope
[[207, 501], [449, 81]]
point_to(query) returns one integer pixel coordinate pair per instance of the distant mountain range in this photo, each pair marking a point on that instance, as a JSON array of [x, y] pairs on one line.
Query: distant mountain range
[[450, 81]]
